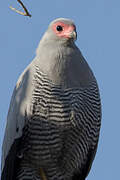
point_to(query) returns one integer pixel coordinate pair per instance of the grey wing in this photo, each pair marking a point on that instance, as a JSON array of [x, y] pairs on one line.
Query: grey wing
[[20, 108]]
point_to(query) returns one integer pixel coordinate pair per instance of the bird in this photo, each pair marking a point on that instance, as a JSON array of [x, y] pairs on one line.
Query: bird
[[54, 118]]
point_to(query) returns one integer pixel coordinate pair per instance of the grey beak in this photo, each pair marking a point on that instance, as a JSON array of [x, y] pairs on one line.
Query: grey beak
[[74, 35]]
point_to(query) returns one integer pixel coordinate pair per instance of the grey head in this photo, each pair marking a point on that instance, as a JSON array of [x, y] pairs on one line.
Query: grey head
[[59, 57], [59, 31]]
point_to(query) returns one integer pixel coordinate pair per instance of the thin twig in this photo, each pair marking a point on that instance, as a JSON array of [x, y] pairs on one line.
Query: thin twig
[[26, 13]]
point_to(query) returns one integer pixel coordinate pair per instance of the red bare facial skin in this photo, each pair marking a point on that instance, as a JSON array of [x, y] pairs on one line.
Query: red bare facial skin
[[66, 32]]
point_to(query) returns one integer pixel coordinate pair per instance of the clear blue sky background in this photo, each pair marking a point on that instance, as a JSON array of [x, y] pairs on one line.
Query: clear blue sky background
[[98, 27]]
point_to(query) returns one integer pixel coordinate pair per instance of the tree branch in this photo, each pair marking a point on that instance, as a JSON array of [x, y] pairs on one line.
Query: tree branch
[[26, 13]]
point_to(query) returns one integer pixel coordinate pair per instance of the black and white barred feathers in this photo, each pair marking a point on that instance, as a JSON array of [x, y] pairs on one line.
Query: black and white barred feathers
[[54, 118]]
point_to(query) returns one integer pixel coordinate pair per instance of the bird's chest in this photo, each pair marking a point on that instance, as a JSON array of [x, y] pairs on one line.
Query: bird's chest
[[54, 114], [53, 104], [60, 117]]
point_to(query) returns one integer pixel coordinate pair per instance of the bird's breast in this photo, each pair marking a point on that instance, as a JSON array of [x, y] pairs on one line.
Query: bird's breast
[[57, 114], [54, 113]]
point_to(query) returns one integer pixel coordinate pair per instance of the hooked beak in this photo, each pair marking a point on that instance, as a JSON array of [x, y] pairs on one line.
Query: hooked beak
[[73, 35]]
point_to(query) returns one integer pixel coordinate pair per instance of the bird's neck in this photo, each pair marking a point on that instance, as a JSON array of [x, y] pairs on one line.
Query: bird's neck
[[64, 65]]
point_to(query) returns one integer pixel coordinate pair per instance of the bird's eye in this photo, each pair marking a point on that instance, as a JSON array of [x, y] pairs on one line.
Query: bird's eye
[[59, 28]]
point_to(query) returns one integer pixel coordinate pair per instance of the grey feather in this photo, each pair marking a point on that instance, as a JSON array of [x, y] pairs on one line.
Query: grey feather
[[55, 114]]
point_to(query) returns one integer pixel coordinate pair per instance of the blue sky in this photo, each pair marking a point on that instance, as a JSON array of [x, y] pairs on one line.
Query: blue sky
[[98, 27]]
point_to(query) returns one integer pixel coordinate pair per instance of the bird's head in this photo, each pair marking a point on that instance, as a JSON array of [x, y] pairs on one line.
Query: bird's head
[[61, 30]]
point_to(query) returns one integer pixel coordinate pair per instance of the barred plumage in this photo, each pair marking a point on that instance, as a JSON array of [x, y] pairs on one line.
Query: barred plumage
[[54, 118], [63, 128]]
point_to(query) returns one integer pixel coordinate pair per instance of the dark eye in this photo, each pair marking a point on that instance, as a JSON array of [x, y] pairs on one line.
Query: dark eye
[[59, 28]]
